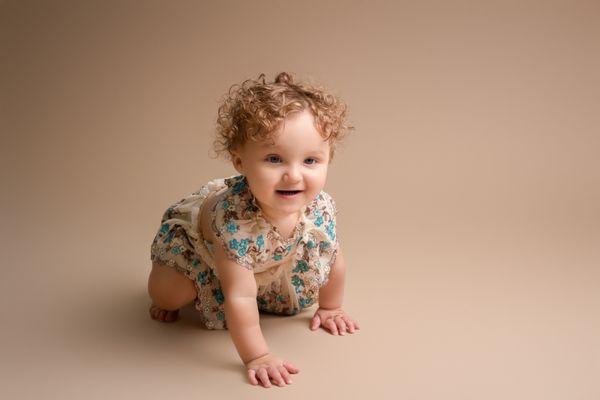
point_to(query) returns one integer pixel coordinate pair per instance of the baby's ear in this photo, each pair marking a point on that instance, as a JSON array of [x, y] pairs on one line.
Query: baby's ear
[[236, 160]]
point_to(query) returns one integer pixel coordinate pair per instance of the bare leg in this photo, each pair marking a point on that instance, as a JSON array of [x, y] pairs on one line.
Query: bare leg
[[169, 290]]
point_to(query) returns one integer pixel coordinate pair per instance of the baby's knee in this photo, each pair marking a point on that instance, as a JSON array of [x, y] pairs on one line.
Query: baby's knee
[[170, 289]]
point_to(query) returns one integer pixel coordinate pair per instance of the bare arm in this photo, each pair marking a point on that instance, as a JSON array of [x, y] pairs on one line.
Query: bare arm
[[241, 310]]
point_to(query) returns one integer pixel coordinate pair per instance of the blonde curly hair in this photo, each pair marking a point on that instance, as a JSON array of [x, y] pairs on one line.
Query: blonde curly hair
[[254, 109]]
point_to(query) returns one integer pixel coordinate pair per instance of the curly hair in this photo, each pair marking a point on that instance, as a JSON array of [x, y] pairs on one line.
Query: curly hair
[[254, 109]]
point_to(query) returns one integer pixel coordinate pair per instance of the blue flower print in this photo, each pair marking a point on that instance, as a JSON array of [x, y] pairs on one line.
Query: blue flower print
[[311, 244], [243, 248], [164, 228], [280, 298], [232, 227], [234, 244], [221, 316], [331, 230], [323, 245], [176, 250], [277, 256], [288, 248], [195, 263], [301, 266], [218, 295], [225, 204], [305, 302], [296, 281], [260, 241], [319, 221], [240, 186], [169, 237], [202, 277]]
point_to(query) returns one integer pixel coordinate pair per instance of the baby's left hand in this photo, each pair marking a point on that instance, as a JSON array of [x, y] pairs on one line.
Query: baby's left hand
[[334, 320]]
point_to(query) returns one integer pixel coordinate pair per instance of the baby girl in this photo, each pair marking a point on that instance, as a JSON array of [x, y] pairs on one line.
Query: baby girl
[[263, 240]]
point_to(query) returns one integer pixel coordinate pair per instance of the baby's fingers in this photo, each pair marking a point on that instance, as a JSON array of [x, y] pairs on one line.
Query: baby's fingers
[[331, 326], [349, 324], [264, 377], [341, 325], [285, 374], [252, 377], [276, 375], [290, 367], [315, 323]]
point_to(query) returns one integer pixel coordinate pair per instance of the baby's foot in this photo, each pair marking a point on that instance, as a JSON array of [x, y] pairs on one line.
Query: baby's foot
[[163, 315]]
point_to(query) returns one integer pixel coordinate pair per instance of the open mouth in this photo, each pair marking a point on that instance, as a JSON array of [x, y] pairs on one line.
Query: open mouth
[[288, 193]]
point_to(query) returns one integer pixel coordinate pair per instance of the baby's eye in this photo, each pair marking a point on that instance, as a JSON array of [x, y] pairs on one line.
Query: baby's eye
[[273, 159], [311, 161]]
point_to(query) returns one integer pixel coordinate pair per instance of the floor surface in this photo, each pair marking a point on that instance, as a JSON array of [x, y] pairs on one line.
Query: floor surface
[[469, 194]]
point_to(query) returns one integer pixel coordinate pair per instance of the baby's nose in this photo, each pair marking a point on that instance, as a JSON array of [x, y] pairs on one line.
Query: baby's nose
[[292, 175]]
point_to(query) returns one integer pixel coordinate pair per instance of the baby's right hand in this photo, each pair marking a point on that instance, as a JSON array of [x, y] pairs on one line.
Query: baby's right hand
[[270, 367]]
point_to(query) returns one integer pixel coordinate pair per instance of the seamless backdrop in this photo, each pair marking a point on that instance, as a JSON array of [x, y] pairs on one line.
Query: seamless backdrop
[[469, 194]]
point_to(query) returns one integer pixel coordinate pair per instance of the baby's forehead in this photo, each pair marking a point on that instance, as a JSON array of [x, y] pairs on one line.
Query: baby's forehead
[[266, 143]]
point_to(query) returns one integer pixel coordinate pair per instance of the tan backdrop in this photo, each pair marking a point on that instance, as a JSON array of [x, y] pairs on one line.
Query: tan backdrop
[[469, 194]]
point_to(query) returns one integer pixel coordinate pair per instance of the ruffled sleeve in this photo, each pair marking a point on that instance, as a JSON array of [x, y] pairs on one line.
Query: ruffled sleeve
[[240, 235], [320, 240]]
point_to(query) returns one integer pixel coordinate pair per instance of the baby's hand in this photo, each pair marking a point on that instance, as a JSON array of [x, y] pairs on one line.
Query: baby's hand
[[270, 367], [335, 320]]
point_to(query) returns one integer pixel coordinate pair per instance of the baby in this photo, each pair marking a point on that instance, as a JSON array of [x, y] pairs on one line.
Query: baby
[[263, 240]]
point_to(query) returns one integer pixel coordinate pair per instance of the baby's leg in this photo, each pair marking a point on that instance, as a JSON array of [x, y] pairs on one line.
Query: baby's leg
[[169, 290]]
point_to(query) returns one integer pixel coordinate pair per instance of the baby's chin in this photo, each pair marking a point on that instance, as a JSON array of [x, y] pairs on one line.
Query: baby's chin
[[289, 210], [292, 208]]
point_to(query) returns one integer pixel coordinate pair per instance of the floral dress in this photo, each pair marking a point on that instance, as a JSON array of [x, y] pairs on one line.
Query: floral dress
[[288, 271]]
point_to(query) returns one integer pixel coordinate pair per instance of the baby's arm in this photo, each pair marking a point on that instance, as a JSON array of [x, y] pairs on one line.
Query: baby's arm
[[241, 314], [331, 295], [330, 314]]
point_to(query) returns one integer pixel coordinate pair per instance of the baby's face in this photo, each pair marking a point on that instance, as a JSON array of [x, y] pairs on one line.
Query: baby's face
[[297, 160]]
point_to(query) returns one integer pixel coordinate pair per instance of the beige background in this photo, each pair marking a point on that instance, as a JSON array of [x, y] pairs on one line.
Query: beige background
[[469, 195]]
